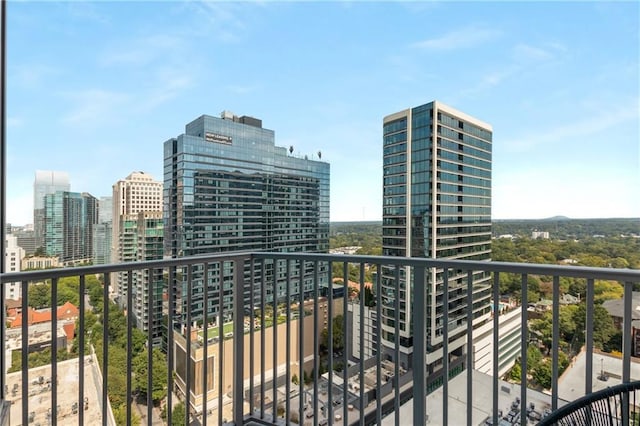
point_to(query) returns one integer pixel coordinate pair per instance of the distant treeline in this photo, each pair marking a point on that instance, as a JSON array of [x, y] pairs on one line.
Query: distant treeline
[[564, 228], [558, 228]]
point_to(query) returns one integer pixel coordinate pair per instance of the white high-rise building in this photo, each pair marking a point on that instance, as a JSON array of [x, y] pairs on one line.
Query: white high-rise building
[[136, 193], [13, 256]]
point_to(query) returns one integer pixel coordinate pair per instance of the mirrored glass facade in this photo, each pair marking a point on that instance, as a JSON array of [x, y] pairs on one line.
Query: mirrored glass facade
[[228, 187]]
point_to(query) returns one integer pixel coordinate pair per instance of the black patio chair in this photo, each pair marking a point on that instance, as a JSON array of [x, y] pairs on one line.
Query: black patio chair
[[604, 407]]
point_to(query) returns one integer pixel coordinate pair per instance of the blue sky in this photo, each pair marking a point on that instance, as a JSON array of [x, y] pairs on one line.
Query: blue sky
[[95, 89]]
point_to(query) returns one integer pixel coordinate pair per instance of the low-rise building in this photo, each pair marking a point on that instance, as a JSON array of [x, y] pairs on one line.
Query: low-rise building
[[509, 335]]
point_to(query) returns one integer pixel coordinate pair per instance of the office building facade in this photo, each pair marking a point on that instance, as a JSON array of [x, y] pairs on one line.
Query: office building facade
[[228, 187], [436, 204], [69, 219], [46, 182]]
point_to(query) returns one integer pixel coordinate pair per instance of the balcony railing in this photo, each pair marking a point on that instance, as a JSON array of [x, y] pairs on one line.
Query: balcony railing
[[270, 362]]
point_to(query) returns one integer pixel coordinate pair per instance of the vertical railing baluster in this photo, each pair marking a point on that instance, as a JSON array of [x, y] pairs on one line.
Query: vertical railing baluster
[[316, 340], [54, 351], [171, 276], [345, 362], [301, 321], [445, 346], [469, 347], [287, 382], [221, 340], [588, 335], [25, 351], [205, 338], [626, 347], [252, 348], [105, 348], [151, 287], [187, 398], [523, 386], [396, 344], [495, 293], [555, 347], [378, 345], [263, 325], [330, 346], [419, 345], [363, 327], [275, 339], [129, 345], [238, 341], [81, 344]]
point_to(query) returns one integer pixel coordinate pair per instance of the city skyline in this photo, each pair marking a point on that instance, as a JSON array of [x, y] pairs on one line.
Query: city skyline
[[94, 89]]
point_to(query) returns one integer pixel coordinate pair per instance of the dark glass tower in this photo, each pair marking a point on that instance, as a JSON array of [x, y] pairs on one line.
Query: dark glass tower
[[228, 188], [436, 204]]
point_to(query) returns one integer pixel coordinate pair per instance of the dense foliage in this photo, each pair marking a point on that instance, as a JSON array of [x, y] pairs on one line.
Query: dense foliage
[[367, 235], [565, 228], [615, 252]]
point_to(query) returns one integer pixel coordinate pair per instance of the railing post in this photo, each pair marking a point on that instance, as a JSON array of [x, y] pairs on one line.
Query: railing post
[[419, 346], [4, 406], [238, 341], [626, 348]]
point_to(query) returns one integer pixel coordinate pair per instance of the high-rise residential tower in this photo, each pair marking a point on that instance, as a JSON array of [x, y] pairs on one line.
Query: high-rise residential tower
[[102, 232], [228, 187], [46, 182], [436, 204], [12, 262], [137, 235], [69, 218]]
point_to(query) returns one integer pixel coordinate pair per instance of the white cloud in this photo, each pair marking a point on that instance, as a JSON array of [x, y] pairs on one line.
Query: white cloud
[[241, 90], [94, 107], [143, 51], [575, 191], [221, 19], [526, 52], [33, 76], [459, 39], [14, 122], [602, 119]]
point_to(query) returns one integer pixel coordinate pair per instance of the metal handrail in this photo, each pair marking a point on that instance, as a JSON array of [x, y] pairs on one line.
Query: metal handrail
[[624, 275], [585, 410]]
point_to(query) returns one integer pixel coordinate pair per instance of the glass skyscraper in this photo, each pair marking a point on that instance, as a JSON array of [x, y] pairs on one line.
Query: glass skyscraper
[[228, 187], [436, 204], [68, 225], [46, 182]]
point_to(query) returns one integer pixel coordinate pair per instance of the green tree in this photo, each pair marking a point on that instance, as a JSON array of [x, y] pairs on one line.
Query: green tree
[[542, 373], [534, 357], [120, 416], [338, 334], [177, 414], [158, 375], [603, 327], [39, 295], [369, 297], [516, 371]]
